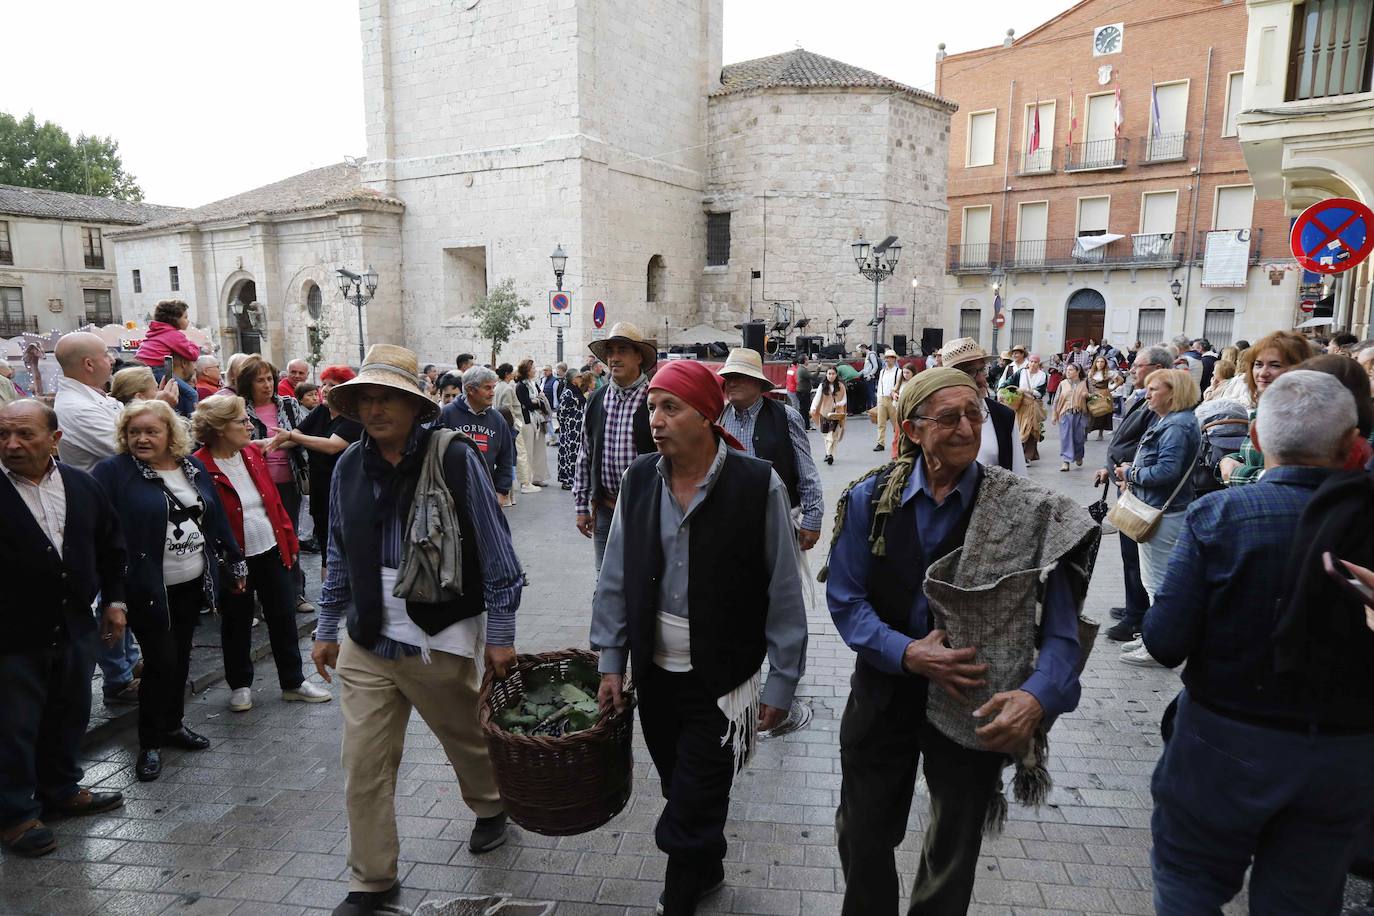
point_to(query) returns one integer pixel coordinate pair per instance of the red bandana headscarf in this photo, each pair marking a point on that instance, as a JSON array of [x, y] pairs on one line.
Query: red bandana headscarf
[[699, 388]]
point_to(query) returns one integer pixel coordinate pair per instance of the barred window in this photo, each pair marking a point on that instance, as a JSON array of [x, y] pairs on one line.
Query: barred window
[[1149, 329], [717, 239], [175, 276], [98, 306], [1218, 327], [138, 282], [970, 323], [1022, 327]]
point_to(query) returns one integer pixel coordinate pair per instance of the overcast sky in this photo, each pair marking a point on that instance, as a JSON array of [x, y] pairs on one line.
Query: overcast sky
[[210, 99]]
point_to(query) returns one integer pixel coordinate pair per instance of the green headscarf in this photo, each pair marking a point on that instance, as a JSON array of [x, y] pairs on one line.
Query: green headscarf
[[914, 392]]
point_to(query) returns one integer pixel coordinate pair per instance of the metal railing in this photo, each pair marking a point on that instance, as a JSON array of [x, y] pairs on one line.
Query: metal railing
[[1166, 148], [977, 257], [95, 261], [1256, 245], [1096, 154], [1040, 162], [1067, 254], [12, 326]]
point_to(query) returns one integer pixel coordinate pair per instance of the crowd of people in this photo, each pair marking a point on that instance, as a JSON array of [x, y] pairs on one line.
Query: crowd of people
[[144, 498]]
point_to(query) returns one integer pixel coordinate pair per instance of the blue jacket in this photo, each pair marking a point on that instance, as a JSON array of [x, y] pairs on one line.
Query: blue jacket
[[492, 434], [141, 505], [1167, 451], [48, 595]]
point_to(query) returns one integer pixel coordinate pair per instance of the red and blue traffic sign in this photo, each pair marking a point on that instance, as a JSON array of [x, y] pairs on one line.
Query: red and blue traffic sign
[[559, 302], [1333, 236], [599, 314]]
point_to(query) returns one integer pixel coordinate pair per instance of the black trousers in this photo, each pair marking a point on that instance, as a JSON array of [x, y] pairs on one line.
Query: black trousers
[[43, 715], [271, 582], [682, 728], [880, 746], [291, 501], [167, 663], [1137, 599], [804, 399]]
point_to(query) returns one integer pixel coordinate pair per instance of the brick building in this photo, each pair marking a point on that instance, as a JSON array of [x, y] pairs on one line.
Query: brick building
[[1085, 228]]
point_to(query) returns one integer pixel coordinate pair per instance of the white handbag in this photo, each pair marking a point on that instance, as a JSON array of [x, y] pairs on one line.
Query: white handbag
[[1137, 519]]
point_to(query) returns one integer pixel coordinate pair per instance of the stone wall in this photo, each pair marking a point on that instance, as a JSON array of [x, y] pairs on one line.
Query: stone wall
[[804, 173]]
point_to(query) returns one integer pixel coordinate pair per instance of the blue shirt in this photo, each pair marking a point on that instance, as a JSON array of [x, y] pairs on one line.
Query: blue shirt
[[1054, 682]]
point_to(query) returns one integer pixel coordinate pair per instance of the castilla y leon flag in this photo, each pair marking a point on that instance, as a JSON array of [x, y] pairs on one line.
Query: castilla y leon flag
[[1035, 128]]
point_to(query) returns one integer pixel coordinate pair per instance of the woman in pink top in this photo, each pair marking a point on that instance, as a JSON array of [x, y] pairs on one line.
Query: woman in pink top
[[270, 414]]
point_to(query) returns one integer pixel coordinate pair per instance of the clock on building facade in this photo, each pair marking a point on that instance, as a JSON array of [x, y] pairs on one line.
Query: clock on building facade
[[1107, 39]]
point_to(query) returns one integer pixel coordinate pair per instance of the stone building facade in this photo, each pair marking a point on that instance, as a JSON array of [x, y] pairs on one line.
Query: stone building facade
[[1162, 187], [57, 269], [500, 129]]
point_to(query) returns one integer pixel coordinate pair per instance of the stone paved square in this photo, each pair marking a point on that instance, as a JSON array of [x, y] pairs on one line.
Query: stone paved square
[[255, 826]]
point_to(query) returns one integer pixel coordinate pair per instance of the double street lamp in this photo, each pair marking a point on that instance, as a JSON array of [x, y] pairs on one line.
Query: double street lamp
[[359, 290], [876, 263], [560, 264]]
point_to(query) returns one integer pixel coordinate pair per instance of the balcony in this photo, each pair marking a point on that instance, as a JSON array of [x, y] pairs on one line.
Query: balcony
[[1096, 155], [1146, 250], [95, 262], [976, 258], [1040, 162], [1165, 148], [1256, 245], [1330, 49], [14, 325]]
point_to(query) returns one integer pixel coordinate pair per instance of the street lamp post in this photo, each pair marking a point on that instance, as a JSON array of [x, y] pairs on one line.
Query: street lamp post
[[560, 264], [996, 327], [876, 263], [358, 290]]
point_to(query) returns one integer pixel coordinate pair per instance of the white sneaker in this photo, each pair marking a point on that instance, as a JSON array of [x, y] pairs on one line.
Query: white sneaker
[[307, 693], [529, 489], [241, 700], [1132, 645], [1141, 658]]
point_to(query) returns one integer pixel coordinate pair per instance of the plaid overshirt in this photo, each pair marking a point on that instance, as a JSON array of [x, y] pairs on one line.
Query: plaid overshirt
[[618, 444]]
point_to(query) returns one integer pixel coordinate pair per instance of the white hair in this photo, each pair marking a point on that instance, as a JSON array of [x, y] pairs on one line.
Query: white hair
[[206, 361], [1304, 415], [477, 376]]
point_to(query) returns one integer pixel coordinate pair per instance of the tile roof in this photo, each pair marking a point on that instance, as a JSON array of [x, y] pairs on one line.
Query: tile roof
[[802, 68], [322, 187], [17, 201]]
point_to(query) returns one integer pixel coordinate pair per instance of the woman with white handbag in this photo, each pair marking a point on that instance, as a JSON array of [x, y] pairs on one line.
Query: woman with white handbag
[[1158, 484]]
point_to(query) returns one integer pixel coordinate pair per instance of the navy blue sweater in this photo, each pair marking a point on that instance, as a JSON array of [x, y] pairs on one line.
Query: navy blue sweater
[[492, 434]]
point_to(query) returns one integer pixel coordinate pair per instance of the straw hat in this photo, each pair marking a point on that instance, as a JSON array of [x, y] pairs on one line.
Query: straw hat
[[962, 350], [890, 354], [386, 366], [625, 332], [747, 362], [1018, 349]]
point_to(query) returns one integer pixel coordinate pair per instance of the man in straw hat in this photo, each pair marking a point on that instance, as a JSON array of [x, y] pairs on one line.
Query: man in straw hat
[[956, 662], [615, 430], [423, 617], [772, 431], [1001, 434], [1016, 361], [700, 582], [889, 379]]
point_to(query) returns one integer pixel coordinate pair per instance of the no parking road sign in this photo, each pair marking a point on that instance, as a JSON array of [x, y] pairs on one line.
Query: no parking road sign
[[1333, 236], [560, 303]]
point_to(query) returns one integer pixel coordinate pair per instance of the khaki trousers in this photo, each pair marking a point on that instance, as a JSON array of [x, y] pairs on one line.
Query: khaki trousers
[[376, 696], [887, 410]]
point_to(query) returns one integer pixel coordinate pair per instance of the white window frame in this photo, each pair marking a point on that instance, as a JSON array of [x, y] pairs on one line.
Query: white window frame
[[1046, 144], [1078, 213], [965, 244], [1087, 110], [1187, 85], [1227, 114], [968, 139], [1216, 202], [1140, 226]]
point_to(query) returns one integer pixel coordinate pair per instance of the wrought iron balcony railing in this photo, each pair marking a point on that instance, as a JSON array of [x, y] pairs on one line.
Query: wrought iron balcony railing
[[1096, 154]]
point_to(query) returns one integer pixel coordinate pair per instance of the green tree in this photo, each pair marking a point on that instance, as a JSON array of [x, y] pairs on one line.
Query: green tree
[[501, 314], [34, 155]]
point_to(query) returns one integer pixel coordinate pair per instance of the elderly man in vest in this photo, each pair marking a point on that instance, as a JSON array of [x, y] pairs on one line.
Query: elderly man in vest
[[62, 545], [955, 662], [415, 638], [771, 430], [1001, 444], [615, 430], [699, 583]]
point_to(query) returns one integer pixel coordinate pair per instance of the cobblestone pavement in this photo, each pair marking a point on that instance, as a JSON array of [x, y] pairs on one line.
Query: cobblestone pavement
[[255, 826]]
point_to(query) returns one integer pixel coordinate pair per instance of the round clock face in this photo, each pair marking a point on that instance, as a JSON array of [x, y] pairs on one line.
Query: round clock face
[[1108, 40]]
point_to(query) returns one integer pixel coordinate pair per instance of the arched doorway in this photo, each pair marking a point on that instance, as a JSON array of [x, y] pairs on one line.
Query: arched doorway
[[248, 334], [1086, 317]]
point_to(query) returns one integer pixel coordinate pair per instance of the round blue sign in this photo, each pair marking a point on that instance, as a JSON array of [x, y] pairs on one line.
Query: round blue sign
[[599, 314]]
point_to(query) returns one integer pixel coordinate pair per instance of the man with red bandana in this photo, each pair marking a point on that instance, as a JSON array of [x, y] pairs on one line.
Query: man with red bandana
[[697, 642]]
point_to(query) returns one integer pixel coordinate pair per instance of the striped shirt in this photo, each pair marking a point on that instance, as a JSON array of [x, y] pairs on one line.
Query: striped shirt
[[740, 424], [502, 576]]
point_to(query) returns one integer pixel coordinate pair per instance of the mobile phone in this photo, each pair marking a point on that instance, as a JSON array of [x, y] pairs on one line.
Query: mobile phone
[[166, 367], [1353, 587]]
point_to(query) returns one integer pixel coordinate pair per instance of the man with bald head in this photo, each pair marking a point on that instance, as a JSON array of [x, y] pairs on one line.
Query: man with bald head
[[62, 532], [297, 371], [87, 418]]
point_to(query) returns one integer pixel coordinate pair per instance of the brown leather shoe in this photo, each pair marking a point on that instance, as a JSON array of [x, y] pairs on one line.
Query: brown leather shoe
[[85, 802], [29, 839]]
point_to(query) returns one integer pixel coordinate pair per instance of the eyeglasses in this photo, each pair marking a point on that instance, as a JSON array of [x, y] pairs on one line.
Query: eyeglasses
[[244, 421], [949, 419]]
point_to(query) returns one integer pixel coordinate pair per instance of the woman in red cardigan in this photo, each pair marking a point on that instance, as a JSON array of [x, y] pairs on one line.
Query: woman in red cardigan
[[264, 531]]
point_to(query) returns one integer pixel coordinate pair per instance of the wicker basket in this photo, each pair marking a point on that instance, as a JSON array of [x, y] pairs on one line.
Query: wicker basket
[[558, 786]]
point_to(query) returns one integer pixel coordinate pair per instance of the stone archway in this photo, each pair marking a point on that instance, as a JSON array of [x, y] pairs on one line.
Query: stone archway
[[1086, 316], [242, 307]]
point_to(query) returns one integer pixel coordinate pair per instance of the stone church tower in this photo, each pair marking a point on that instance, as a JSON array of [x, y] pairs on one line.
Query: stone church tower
[[509, 126]]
